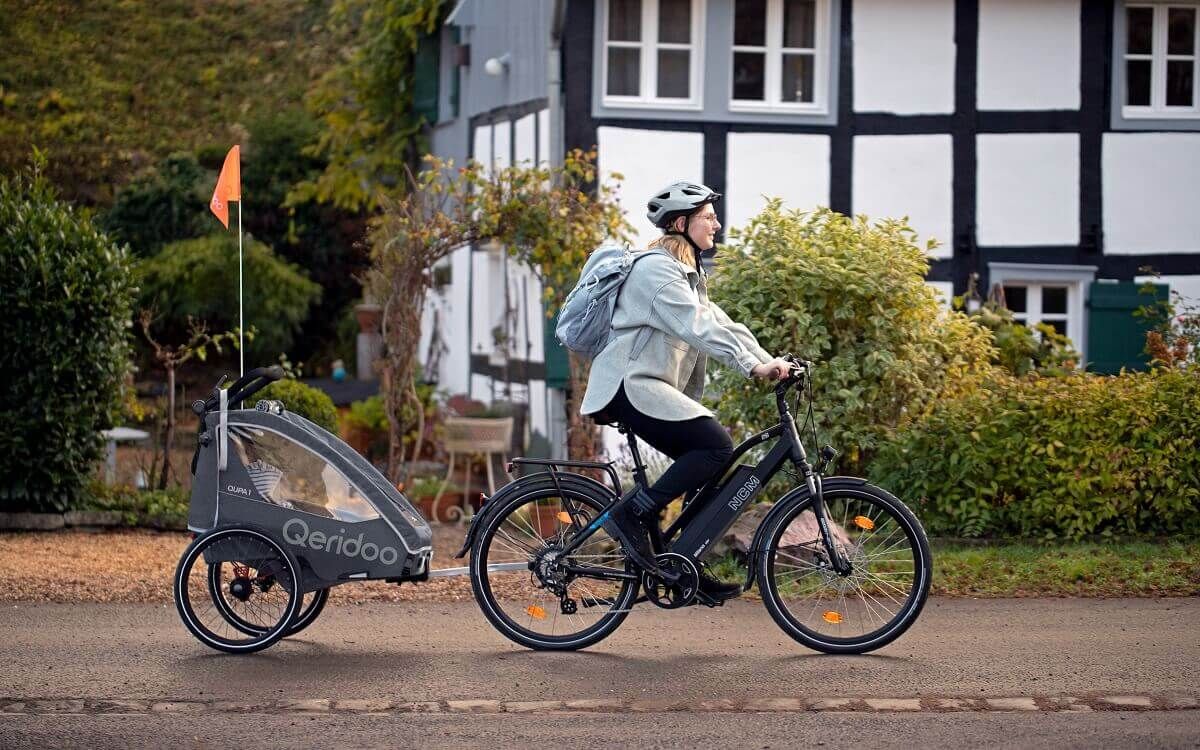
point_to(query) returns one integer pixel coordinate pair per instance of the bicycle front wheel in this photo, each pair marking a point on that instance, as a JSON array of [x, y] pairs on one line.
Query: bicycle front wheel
[[856, 611], [531, 592]]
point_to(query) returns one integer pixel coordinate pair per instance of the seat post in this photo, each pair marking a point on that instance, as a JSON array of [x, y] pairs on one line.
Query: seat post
[[639, 468]]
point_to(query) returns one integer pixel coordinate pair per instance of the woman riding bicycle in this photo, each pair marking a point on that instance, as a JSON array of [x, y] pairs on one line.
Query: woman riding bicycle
[[650, 376]]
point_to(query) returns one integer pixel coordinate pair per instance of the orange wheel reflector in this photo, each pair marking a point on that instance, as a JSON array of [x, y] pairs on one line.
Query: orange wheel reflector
[[863, 522], [536, 612], [831, 616], [564, 517]]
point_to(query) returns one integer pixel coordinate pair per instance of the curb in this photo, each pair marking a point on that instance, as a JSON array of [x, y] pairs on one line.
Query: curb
[[18, 706]]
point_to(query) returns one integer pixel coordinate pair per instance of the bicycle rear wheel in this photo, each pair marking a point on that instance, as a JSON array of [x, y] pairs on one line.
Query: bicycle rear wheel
[[875, 602], [523, 585]]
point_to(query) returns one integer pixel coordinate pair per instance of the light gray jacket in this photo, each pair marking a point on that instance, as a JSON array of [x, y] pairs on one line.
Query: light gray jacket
[[664, 329]]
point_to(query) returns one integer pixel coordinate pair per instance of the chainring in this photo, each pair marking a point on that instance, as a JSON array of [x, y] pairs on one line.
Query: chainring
[[672, 595]]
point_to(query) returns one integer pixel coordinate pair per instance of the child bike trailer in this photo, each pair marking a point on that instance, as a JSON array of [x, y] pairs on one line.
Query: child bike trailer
[[283, 510]]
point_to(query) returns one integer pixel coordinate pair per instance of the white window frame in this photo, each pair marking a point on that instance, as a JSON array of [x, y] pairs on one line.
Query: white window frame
[[1035, 277], [773, 72], [649, 47], [1158, 64]]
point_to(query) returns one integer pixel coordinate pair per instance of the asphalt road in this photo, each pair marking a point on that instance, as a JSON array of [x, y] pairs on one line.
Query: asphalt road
[[665, 678]]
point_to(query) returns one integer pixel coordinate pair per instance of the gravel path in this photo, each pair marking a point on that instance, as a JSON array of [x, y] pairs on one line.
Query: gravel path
[[137, 566]]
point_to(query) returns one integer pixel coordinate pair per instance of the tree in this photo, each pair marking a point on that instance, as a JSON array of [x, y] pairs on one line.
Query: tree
[[198, 279], [371, 130], [545, 217], [170, 359]]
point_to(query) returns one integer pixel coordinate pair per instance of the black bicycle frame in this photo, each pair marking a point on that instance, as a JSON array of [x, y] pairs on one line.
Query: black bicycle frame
[[715, 507]]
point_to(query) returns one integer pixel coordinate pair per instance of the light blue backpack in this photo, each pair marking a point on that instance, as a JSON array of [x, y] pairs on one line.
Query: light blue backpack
[[585, 320]]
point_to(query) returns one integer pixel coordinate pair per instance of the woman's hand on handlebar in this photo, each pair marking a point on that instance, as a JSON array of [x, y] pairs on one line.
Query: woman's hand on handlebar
[[776, 369]]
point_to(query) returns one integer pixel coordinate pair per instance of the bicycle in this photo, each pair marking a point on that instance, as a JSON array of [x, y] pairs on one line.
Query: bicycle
[[842, 566]]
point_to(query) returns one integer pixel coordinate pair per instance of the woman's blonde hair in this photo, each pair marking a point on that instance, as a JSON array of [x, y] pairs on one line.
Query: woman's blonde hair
[[677, 246]]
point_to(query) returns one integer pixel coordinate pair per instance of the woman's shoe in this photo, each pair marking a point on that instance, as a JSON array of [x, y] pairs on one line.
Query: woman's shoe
[[718, 590]]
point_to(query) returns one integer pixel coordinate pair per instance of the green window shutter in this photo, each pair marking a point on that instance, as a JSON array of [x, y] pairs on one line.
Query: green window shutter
[[425, 77], [558, 369], [1116, 337]]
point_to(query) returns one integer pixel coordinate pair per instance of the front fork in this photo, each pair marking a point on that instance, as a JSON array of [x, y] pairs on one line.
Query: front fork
[[816, 490]]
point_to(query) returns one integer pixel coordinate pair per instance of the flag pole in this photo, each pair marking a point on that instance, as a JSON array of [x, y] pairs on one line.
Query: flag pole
[[241, 322]]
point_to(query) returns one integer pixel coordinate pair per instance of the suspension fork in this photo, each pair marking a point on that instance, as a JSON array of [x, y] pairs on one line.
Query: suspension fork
[[817, 492]]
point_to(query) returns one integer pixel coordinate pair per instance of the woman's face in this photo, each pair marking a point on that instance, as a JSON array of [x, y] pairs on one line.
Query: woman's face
[[702, 228]]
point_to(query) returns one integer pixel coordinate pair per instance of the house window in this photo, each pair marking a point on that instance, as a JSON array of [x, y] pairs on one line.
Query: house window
[[780, 53], [652, 52], [1043, 303], [1160, 57]]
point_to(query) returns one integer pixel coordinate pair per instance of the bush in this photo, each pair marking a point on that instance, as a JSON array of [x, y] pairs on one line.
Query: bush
[[166, 204], [66, 293], [852, 297], [310, 403], [161, 509], [1047, 457], [199, 278]]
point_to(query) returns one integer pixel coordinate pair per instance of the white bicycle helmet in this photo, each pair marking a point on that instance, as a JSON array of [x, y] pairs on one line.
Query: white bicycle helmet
[[678, 199]]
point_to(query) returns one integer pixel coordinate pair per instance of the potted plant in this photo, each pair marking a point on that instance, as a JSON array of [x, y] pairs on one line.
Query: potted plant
[[424, 490], [549, 516]]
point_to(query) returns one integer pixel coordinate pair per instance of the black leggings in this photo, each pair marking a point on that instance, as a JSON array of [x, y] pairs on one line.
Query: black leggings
[[699, 447]]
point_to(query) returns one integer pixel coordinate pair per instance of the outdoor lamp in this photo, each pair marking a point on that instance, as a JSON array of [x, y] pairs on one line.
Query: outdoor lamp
[[498, 66]]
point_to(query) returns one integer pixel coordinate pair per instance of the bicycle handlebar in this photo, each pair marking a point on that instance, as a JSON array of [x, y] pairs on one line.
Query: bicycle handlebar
[[242, 388]]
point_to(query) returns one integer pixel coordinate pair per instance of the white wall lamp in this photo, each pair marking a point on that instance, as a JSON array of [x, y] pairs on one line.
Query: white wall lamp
[[498, 66]]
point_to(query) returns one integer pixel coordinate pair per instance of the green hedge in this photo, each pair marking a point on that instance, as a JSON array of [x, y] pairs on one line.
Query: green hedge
[[66, 291], [1048, 457], [308, 402]]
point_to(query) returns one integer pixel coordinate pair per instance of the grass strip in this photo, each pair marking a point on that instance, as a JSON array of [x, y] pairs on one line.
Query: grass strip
[[1139, 568]]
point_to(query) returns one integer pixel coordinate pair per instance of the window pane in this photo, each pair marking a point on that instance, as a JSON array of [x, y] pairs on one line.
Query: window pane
[[673, 73], [1014, 298], [625, 20], [675, 21], [623, 71], [288, 475], [1181, 31], [1058, 325], [1141, 30], [1179, 82], [1137, 83], [1054, 300], [799, 23], [797, 78], [750, 22], [748, 75]]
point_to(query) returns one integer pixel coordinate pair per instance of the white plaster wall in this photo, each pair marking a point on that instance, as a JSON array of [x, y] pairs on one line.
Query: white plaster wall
[[1028, 189], [1151, 193], [452, 376], [482, 145], [481, 388], [907, 175], [537, 408], [904, 56], [501, 145], [543, 152], [1028, 54], [778, 165], [526, 142], [945, 291], [649, 160]]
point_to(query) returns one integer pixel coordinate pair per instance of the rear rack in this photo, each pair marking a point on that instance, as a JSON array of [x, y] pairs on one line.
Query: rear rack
[[605, 466]]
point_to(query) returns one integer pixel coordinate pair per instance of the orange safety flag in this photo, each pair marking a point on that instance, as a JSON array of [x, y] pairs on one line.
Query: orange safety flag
[[229, 185]]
